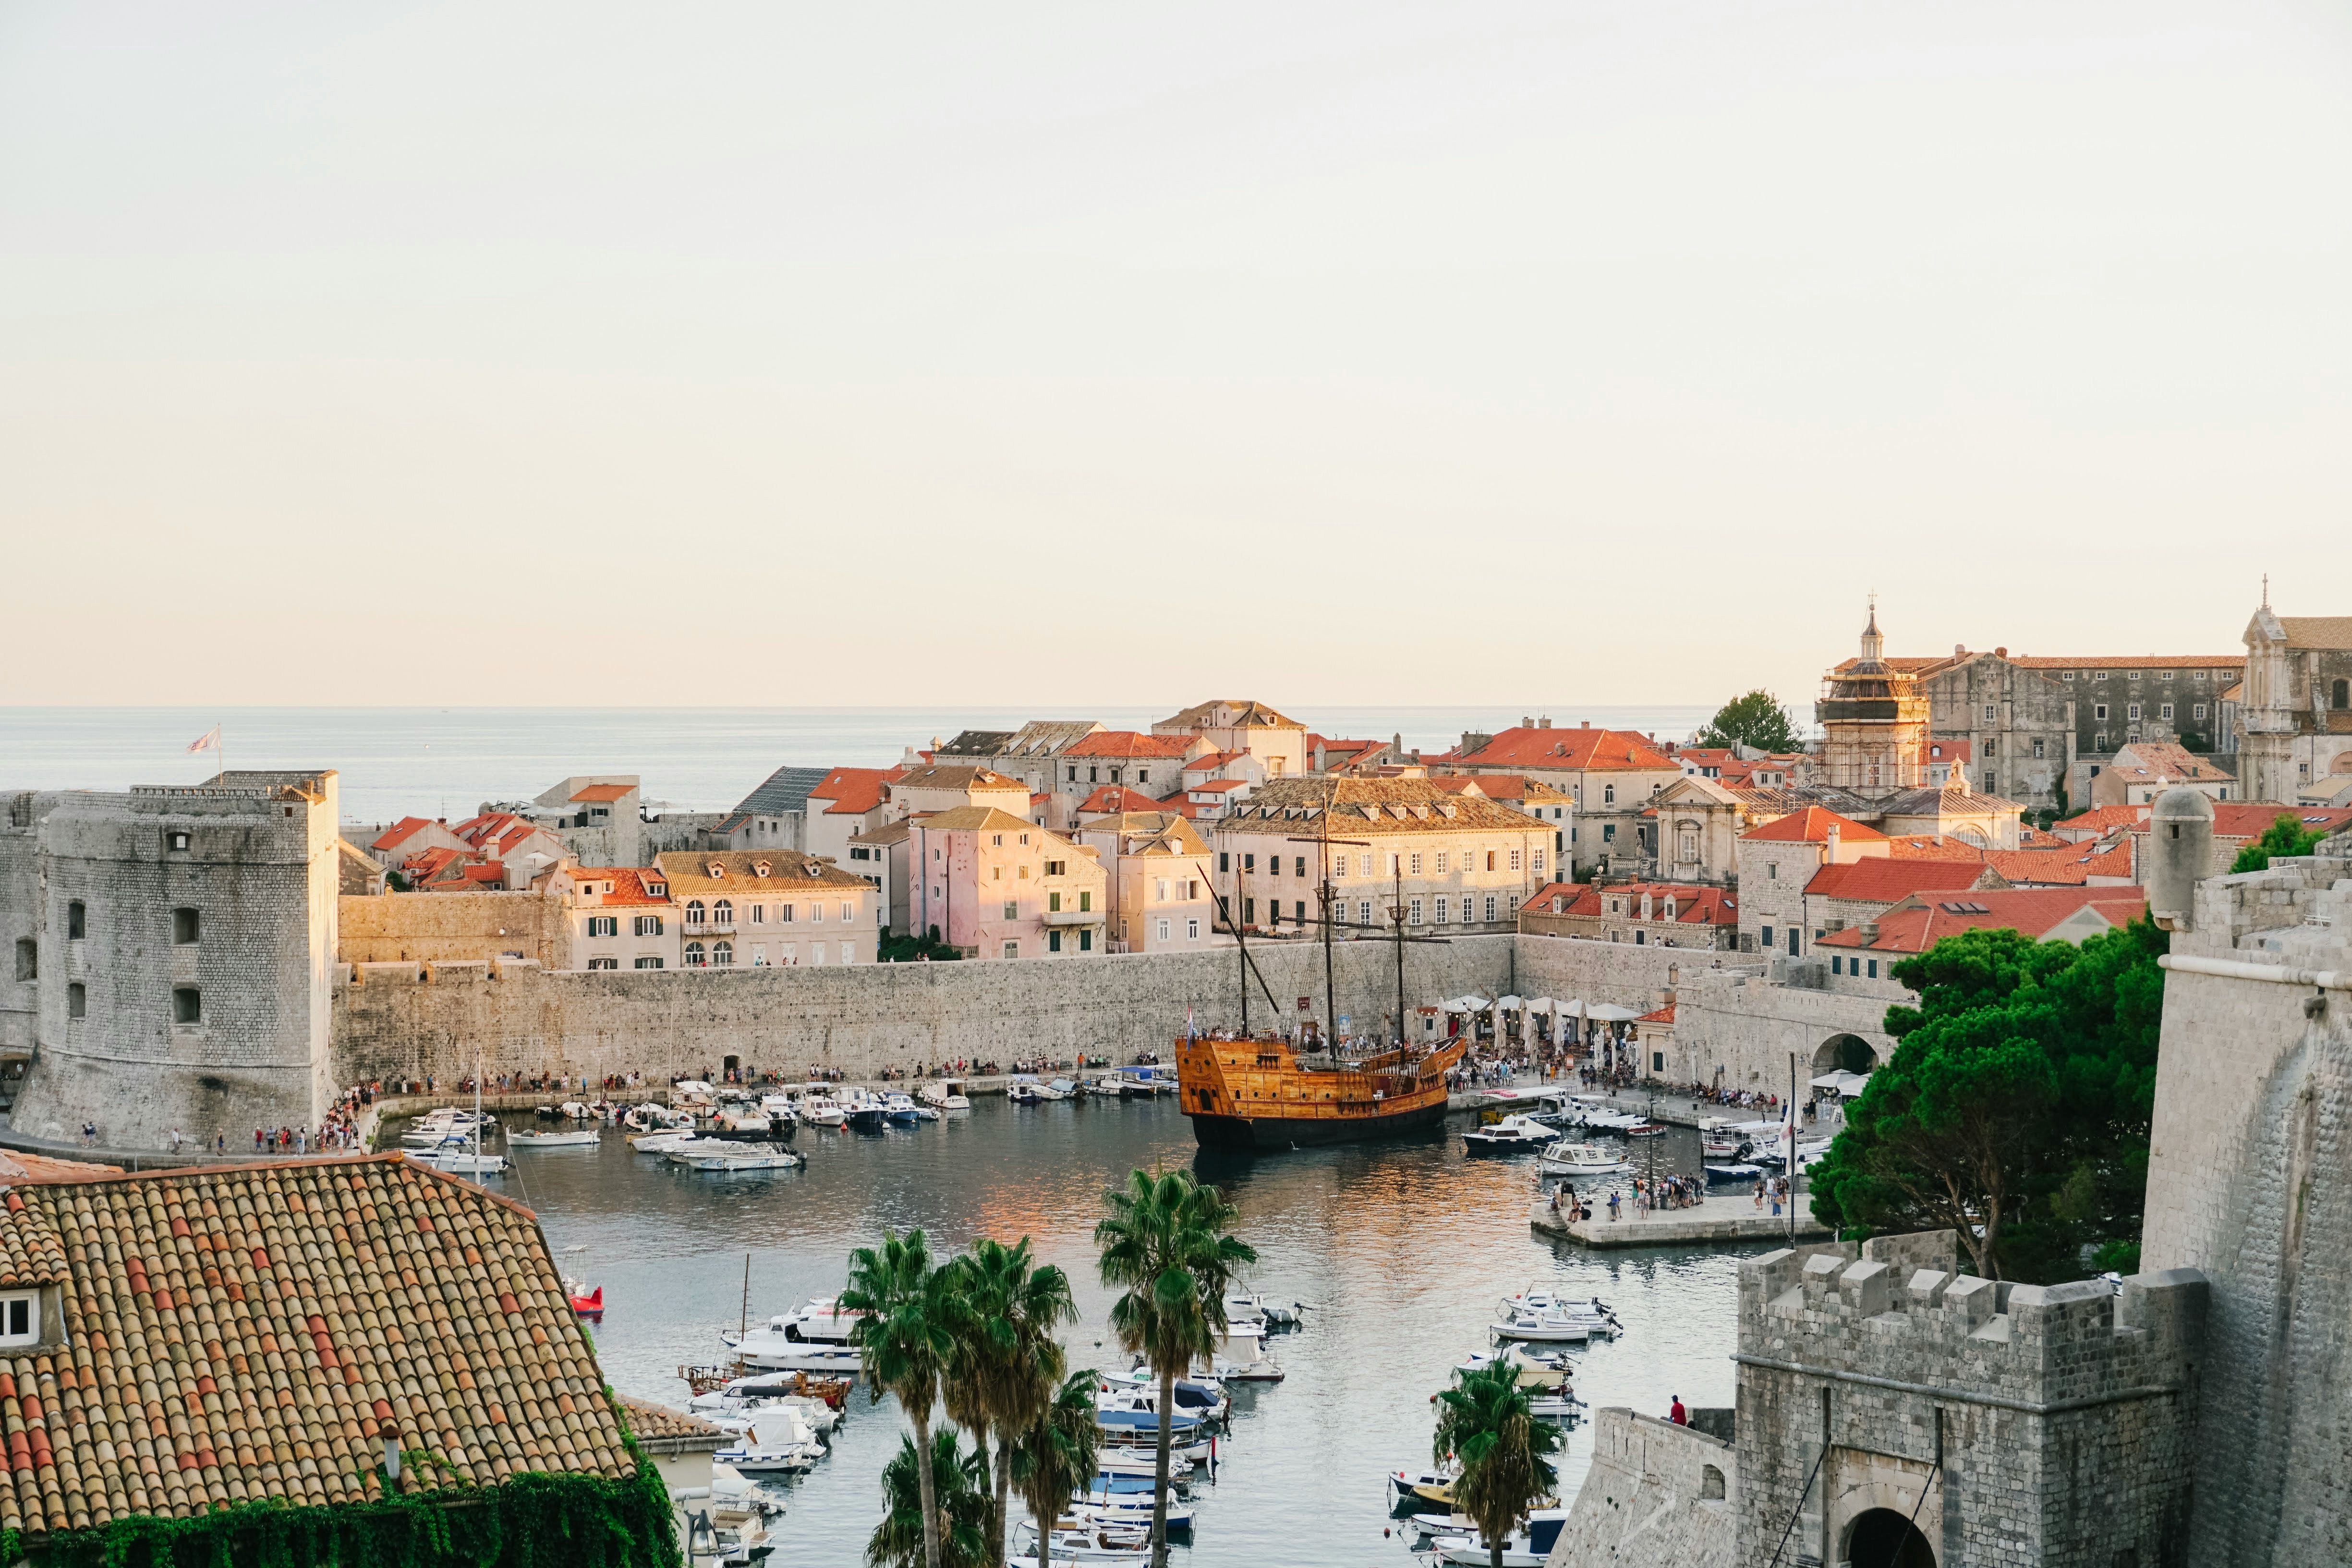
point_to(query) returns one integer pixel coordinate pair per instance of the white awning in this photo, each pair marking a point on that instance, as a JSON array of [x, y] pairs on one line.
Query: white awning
[[1609, 1013], [1513, 1002], [1539, 1003], [1848, 1084]]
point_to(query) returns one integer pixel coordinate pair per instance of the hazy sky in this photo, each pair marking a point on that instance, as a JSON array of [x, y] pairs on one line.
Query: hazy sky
[[778, 353]]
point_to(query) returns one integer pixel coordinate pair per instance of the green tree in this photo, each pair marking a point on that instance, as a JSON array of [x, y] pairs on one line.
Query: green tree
[[908, 1329], [1757, 719], [1007, 1366], [1055, 1454], [1484, 1423], [957, 1480], [2285, 839], [2015, 1111], [1167, 1242]]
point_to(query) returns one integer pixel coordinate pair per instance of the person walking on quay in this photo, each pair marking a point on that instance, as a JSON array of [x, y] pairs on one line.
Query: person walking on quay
[[1612, 1208], [1759, 1194]]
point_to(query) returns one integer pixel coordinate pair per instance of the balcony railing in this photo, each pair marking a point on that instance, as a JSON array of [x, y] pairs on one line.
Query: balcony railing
[[1074, 917]]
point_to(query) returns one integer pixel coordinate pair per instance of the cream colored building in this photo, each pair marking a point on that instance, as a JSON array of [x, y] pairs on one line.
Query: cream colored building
[[952, 787], [1157, 869], [1243, 724], [755, 907], [621, 918], [1454, 860], [1611, 777]]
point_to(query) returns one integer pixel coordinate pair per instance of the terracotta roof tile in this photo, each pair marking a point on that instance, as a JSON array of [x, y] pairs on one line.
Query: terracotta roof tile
[[1578, 748], [604, 795], [1919, 922], [1118, 797], [627, 883], [1881, 879], [400, 832], [688, 872], [1812, 826], [244, 1334], [853, 792], [1130, 743]]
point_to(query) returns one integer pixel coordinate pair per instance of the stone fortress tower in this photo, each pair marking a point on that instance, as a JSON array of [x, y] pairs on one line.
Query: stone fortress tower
[[172, 957], [1874, 719], [2250, 1180]]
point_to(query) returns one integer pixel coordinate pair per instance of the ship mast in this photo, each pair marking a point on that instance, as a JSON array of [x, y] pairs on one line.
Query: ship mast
[[1328, 896]]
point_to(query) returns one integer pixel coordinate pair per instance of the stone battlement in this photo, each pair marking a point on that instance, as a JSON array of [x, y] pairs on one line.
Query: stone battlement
[[2030, 1346]]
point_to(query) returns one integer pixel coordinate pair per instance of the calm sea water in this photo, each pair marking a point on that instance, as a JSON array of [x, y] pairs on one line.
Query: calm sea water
[[445, 762], [1402, 1249]]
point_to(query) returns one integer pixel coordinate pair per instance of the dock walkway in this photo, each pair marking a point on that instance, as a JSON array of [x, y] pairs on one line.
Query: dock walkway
[[1717, 1219]]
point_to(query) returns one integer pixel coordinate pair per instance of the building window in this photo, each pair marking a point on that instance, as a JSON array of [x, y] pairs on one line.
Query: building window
[[2069, 675], [1609, 794], [694, 912], [848, 952], [76, 1000], [1161, 933], [1540, 859], [29, 959], [2165, 712], [1490, 908], [722, 953], [1874, 969], [1415, 867], [1191, 931], [648, 960], [603, 963], [2099, 675], [1772, 870], [2340, 695], [603, 925], [1793, 934], [1012, 908], [1440, 908], [1086, 938], [187, 1004], [759, 911], [1991, 712], [785, 912], [1768, 939], [1515, 859], [1834, 961], [695, 957], [1607, 833], [2132, 676], [1443, 857], [2099, 742], [1011, 949], [179, 841], [2132, 712], [2099, 710], [1657, 1062], [2037, 748], [1053, 942], [647, 925], [2197, 711], [20, 1317], [1364, 913], [185, 925], [76, 919]]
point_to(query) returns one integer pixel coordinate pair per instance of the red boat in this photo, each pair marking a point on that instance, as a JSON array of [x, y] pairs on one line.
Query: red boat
[[587, 1303]]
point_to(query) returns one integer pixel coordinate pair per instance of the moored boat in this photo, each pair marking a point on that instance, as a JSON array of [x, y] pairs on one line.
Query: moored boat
[[1509, 1133], [585, 1138], [1261, 1092], [1566, 1159]]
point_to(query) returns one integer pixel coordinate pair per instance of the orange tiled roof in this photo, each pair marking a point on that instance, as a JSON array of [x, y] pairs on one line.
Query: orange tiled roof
[[853, 792], [1664, 1014], [2251, 819], [1812, 826], [1927, 919], [245, 1333], [2231, 661], [1883, 880], [1693, 905], [603, 795], [659, 1427], [629, 886], [400, 832], [1118, 797], [2066, 866], [1130, 743], [1589, 750]]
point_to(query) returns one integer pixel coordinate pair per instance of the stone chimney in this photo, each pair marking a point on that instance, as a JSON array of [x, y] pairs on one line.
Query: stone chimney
[[1829, 855]]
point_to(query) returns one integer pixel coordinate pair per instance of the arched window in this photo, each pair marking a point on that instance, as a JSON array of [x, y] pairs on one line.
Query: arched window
[[694, 957], [1710, 1483], [722, 913], [722, 953], [694, 911]]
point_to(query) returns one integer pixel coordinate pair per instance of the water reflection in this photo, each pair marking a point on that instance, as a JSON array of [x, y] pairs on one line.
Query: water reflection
[[1402, 1250]]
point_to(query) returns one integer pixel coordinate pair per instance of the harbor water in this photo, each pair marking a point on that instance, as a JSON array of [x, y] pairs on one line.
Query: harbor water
[[1400, 1249]]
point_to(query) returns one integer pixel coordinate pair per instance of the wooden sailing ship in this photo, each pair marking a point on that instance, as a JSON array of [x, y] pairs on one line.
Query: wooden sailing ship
[[1260, 1091], [1255, 1090]]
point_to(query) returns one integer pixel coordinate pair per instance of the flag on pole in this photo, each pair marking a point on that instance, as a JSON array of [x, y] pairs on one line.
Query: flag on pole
[[207, 741]]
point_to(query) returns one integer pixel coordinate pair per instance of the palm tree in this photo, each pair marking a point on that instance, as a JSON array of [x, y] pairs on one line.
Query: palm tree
[[1007, 1365], [1484, 1421], [960, 1482], [907, 1331], [1056, 1453], [1167, 1241]]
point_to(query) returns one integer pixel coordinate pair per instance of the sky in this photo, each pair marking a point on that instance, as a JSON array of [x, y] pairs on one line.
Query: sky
[[1572, 352]]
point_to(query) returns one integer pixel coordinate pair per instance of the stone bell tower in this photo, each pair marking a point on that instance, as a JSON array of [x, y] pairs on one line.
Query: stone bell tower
[[1874, 719]]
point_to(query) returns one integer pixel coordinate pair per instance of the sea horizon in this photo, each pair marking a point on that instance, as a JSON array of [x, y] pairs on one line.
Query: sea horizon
[[448, 761]]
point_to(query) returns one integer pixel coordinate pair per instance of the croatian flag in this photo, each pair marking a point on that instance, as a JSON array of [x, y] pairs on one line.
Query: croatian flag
[[207, 741]]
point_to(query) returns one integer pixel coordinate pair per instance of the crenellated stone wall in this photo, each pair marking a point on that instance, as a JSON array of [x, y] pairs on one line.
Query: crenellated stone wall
[[1656, 1496], [2012, 1425]]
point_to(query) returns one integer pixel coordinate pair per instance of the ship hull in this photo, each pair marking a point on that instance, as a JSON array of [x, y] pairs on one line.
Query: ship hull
[[1214, 1131]]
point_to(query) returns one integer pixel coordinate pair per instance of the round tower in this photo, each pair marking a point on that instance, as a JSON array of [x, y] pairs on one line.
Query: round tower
[[2180, 856]]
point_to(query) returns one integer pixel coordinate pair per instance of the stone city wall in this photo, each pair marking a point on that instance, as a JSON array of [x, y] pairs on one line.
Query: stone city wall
[[1586, 969], [398, 1021], [2019, 1425], [1657, 1496], [453, 927], [1744, 1025], [2250, 1180]]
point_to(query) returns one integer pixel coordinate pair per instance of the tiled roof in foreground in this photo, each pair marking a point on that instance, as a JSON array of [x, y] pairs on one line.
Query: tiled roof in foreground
[[235, 1333]]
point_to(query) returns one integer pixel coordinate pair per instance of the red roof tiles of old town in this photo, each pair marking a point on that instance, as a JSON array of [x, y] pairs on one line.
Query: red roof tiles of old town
[[1881, 879], [853, 792], [1812, 826], [400, 832], [1582, 749], [1118, 797], [604, 794], [1925, 919], [1130, 743]]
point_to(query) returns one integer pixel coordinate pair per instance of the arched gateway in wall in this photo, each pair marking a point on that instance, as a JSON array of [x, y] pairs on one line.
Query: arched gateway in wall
[[1881, 1538], [1843, 1053]]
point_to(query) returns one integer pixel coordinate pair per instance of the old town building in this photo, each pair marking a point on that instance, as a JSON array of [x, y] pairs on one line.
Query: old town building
[[1157, 870], [1243, 724], [1451, 860], [2296, 711], [1653, 914], [755, 907], [999, 886], [1608, 776]]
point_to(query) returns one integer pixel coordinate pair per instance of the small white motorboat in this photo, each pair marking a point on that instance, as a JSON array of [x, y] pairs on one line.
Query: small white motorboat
[[772, 1458], [1108, 1087], [1528, 1548], [1025, 1090], [1598, 1318], [1566, 1159], [718, 1154], [660, 1142], [819, 1109], [1255, 1308], [1129, 1508], [945, 1095], [903, 1108], [1407, 1486], [1509, 1133], [1060, 1089], [1128, 1462], [462, 1160], [788, 1334], [1098, 1543], [1550, 1327], [1535, 1369], [1561, 1406], [585, 1138]]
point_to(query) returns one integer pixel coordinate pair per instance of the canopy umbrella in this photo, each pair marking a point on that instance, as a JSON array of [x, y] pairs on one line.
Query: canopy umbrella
[[1855, 1082], [1827, 1080], [1513, 1002], [1538, 1004], [1609, 1013]]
